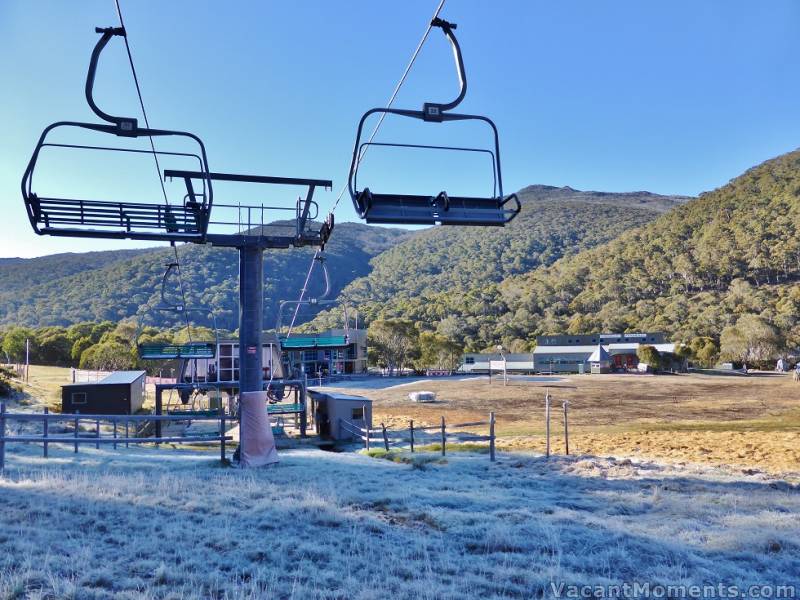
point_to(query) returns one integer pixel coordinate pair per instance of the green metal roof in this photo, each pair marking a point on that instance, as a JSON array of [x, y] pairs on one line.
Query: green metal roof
[[313, 342]]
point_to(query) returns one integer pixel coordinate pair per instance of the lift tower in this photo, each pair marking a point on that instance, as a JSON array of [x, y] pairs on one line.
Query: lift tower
[[245, 227]]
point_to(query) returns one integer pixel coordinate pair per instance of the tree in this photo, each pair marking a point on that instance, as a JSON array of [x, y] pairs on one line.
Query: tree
[[650, 356], [108, 356], [79, 347], [437, 352], [14, 343], [704, 350], [53, 347], [752, 340], [393, 344]]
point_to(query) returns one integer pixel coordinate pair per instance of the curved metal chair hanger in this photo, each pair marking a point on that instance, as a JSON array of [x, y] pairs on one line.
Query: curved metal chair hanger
[[193, 349], [107, 218], [441, 208], [305, 342]]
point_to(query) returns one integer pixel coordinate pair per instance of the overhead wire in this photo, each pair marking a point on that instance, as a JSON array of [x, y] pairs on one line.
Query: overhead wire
[[141, 100], [365, 147], [399, 85], [302, 293], [155, 159]]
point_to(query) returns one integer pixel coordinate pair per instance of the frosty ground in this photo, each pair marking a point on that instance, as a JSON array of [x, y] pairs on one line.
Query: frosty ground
[[173, 523]]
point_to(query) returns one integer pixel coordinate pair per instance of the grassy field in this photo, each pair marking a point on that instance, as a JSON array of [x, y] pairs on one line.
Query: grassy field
[[745, 422], [172, 524], [43, 387]]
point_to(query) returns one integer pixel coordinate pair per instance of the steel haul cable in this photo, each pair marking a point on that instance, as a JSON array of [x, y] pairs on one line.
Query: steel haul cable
[[141, 100], [155, 158], [393, 96], [375, 130]]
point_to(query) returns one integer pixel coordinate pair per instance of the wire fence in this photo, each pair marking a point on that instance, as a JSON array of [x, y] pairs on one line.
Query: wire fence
[[411, 436]]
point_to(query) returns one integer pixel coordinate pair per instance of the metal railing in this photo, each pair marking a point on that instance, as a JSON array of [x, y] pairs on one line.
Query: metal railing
[[120, 432], [408, 437]]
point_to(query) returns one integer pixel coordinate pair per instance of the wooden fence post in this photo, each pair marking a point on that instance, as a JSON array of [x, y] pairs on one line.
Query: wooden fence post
[[566, 429], [45, 430], [366, 439], [97, 434], [76, 431], [411, 429], [115, 434], [221, 433], [2, 436], [385, 437], [547, 423], [491, 436], [444, 437], [127, 430]]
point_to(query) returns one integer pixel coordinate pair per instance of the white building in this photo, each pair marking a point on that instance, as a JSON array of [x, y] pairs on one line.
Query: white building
[[571, 353]]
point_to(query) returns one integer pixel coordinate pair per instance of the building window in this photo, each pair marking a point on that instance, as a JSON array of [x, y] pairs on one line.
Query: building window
[[79, 398], [469, 360], [357, 414]]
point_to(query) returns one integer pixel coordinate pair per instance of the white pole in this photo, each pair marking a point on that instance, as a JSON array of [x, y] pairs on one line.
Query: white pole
[[27, 357]]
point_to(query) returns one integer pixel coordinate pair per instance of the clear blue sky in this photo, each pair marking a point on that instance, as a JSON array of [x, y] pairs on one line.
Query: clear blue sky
[[672, 96]]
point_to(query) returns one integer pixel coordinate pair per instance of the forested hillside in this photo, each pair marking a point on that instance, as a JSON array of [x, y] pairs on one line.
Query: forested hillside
[[723, 265], [381, 269], [423, 278], [72, 288], [18, 274]]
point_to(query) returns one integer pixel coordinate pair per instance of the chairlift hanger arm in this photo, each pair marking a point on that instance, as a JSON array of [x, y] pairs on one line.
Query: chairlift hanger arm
[[126, 126], [431, 109]]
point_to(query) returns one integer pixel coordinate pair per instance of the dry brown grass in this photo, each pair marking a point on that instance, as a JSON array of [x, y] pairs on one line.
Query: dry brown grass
[[746, 422]]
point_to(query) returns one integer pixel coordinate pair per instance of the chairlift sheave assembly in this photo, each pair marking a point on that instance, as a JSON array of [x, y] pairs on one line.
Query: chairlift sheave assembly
[[440, 208]]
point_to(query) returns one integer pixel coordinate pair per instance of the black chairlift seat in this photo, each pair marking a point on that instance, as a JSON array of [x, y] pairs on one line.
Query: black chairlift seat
[[431, 210], [92, 218], [105, 218], [440, 208]]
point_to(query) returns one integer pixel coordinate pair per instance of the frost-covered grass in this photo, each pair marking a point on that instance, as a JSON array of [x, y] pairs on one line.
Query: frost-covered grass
[[155, 524]]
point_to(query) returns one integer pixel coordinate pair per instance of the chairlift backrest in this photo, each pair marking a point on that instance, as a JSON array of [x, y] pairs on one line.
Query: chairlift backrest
[[439, 208]]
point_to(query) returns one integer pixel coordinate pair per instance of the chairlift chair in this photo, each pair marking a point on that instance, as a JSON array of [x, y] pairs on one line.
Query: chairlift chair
[[312, 342], [107, 218], [194, 349], [440, 208]]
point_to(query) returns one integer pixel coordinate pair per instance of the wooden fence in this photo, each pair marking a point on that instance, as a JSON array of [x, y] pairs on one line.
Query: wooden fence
[[120, 431], [408, 437]]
